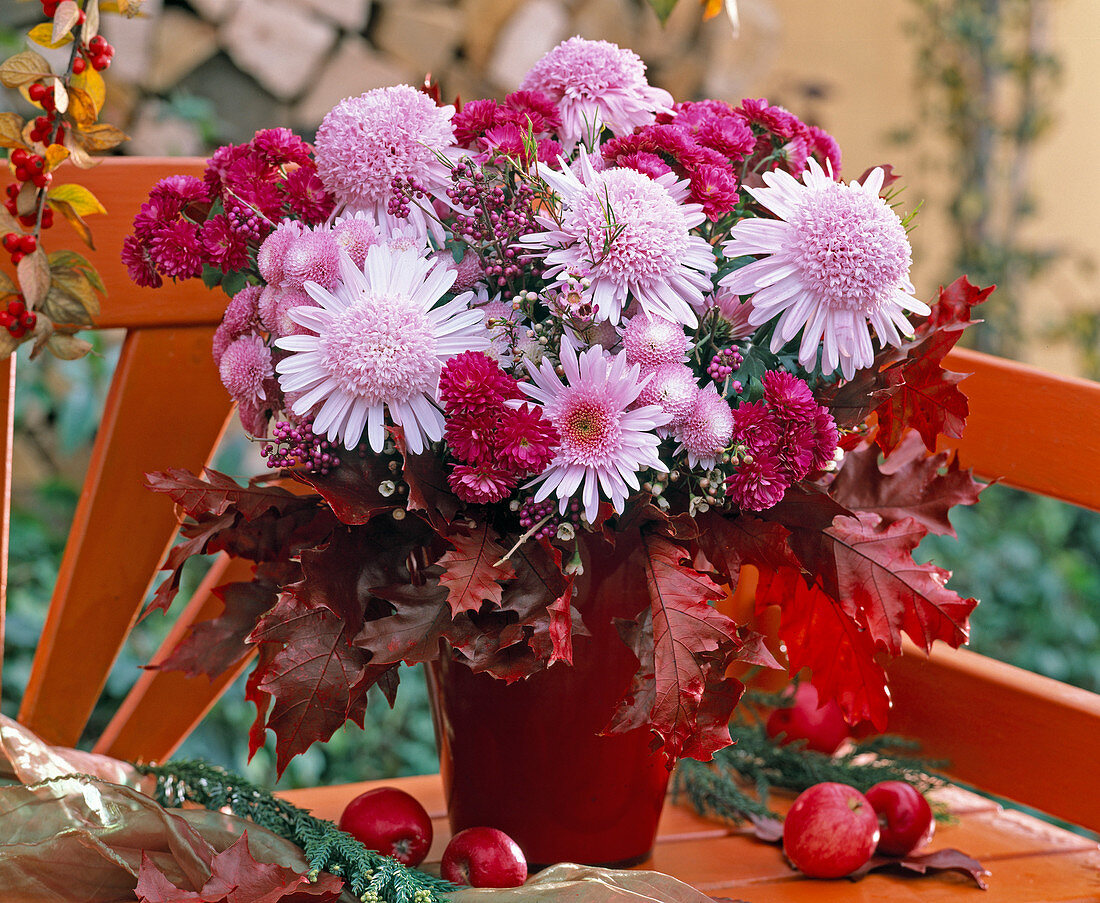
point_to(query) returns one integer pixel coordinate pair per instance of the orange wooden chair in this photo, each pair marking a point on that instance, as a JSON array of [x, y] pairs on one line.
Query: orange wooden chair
[[1004, 730]]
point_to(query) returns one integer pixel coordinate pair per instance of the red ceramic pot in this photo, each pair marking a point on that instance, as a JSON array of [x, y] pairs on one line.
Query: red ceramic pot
[[527, 757]]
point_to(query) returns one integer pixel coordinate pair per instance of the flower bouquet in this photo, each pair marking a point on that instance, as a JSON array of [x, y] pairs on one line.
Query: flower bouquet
[[545, 375]]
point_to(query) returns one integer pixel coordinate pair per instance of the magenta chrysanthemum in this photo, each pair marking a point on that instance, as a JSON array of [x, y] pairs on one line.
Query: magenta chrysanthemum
[[603, 443], [758, 484], [481, 483], [367, 142], [788, 395], [380, 344], [222, 247], [526, 440], [244, 366], [472, 382], [596, 85], [652, 341], [755, 427], [471, 436], [707, 430], [836, 259], [177, 250], [630, 236]]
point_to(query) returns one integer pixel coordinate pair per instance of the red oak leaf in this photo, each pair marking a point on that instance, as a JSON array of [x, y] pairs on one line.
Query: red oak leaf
[[314, 677], [196, 538], [428, 489], [927, 397], [731, 542], [952, 309], [218, 493], [236, 877], [910, 483], [352, 489], [470, 570], [820, 636], [875, 575], [214, 646], [683, 646]]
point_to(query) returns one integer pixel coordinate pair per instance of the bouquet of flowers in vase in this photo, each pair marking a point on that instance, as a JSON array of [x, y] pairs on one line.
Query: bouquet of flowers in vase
[[489, 338]]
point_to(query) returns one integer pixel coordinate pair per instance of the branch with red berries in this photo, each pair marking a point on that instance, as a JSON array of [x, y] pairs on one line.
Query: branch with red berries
[[55, 294]]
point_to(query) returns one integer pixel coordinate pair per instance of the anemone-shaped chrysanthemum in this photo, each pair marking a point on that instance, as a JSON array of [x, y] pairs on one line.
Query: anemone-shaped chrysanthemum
[[380, 344], [836, 259], [596, 84], [631, 236], [366, 142], [603, 443]]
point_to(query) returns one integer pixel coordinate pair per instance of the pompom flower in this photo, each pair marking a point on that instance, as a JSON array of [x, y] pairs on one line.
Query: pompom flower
[[836, 259], [603, 444], [629, 234], [365, 143], [244, 366], [380, 344], [652, 341], [673, 388], [596, 85], [707, 430]]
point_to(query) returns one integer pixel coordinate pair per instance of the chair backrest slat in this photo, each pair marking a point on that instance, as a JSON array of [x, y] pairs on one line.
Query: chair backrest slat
[[7, 423], [166, 408], [1035, 430], [165, 706]]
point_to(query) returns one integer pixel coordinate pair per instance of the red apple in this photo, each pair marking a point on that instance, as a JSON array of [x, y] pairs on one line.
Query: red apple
[[904, 817], [830, 831], [821, 725], [390, 821], [484, 857]]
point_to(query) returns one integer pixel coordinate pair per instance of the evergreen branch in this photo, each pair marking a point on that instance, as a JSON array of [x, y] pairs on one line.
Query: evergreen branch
[[369, 875], [758, 761]]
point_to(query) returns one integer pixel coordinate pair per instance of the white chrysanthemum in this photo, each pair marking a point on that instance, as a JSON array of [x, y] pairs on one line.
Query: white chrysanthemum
[[836, 259], [631, 236], [380, 344]]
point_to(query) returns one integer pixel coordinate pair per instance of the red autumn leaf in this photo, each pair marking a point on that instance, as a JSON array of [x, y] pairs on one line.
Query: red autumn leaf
[[928, 398], [852, 400], [953, 307], [313, 677], [874, 573], [257, 732], [236, 877], [908, 484], [552, 636], [214, 646], [937, 861], [352, 489], [683, 646], [218, 493], [196, 540], [428, 489], [820, 636], [731, 542], [470, 570]]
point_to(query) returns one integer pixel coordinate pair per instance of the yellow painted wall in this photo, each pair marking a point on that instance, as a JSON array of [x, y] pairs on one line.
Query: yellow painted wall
[[856, 51]]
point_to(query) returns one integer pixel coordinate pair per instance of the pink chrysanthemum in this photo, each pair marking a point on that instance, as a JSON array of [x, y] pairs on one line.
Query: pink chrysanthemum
[[366, 142], [139, 263], [241, 311], [652, 341], [826, 438], [472, 382], [244, 366], [646, 163], [481, 483], [758, 484], [356, 234], [673, 388], [280, 145], [274, 307], [715, 187], [380, 344], [473, 120], [526, 441], [603, 443], [315, 257], [469, 271], [596, 85], [837, 258], [630, 235], [269, 259], [756, 428], [306, 194], [707, 430], [788, 396]]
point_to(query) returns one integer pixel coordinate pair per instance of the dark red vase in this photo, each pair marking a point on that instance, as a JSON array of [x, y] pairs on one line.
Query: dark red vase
[[527, 757]]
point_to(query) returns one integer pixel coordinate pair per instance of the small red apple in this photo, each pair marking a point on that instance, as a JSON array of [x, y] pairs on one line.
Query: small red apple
[[904, 817], [820, 724], [484, 857], [390, 821], [830, 831]]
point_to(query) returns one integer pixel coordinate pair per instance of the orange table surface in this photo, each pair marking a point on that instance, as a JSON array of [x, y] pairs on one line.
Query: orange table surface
[[1029, 860]]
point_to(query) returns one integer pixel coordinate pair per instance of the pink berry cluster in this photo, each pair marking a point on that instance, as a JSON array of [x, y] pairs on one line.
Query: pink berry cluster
[[531, 512], [497, 219], [724, 364], [497, 443], [779, 440], [296, 445]]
